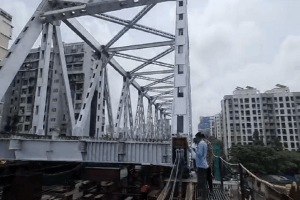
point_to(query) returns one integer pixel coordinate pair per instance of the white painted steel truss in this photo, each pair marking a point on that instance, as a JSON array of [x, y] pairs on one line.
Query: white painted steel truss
[[167, 91]]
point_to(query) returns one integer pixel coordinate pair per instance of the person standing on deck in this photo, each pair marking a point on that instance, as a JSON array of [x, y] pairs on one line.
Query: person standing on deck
[[202, 165]]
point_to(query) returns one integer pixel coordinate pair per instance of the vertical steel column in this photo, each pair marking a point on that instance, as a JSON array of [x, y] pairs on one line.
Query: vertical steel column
[[129, 111], [120, 108], [56, 92], [181, 108], [125, 119], [20, 48], [39, 118], [100, 119], [87, 99], [66, 83], [156, 126], [108, 104], [149, 121]]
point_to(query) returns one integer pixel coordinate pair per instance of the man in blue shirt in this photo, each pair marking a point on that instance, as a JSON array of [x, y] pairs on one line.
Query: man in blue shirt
[[202, 165]]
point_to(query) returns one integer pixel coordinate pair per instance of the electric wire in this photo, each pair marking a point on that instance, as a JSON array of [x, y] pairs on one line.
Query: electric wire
[[175, 178], [168, 183]]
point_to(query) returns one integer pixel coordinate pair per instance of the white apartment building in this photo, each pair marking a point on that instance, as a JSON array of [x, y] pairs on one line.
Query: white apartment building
[[216, 126], [19, 99], [273, 114], [5, 36], [5, 32]]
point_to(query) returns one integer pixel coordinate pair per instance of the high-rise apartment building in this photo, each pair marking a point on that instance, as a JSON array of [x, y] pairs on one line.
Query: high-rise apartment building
[[5, 32], [19, 99], [273, 115], [204, 124], [216, 126], [5, 36]]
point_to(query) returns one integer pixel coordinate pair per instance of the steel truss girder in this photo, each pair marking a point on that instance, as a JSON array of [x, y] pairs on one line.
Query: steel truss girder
[[136, 58], [86, 150], [94, 7], [143, 12], [74, 25], [135, 26], [150, 61], [142, 46]]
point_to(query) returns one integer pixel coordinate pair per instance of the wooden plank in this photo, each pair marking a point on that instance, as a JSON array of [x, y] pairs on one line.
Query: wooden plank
[[190, 191], [164, 193]]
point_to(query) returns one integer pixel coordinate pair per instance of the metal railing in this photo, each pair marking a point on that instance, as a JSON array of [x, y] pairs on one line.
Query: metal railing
[[249, 185]]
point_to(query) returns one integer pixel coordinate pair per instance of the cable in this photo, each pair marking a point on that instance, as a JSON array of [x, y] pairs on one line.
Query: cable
[[176, 159], [175, 179]]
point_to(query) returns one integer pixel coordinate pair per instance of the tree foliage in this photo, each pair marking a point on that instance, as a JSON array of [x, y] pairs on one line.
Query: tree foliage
[[261, 159]]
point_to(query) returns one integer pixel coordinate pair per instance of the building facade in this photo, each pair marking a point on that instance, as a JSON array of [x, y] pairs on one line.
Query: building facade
[[5, 32], [271, 116], [19, 99], [204, 124], [5, 36], [216, 126]]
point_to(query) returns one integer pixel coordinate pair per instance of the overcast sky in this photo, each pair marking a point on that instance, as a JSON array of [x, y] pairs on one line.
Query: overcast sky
[[232, 43]]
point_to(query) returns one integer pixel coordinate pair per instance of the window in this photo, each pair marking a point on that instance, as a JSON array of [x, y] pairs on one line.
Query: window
[[179, 124], [25, 82], [55, 90], [56, 81], [53, 109], [78, 106], [180, 31], [24, 91], [39, 91], [78, 96], [26, 128], [180, 48], [180, 69], [180, 16], [29, 99], [180, 92], [180, 3], [23, 100], [27, 118], [36, 110], [52, 119]]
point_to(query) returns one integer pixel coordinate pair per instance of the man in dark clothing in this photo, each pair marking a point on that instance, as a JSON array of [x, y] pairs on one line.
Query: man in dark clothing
[[210, 161]]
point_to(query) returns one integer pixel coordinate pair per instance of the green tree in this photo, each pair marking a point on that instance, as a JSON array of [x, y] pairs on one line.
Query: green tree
[[261, 159]]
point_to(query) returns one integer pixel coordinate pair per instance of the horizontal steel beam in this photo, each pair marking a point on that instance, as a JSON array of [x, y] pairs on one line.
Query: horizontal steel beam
[[95, 7], [142, 46], [84, 150], [135, 26], [152, 79], [136, 58], [160, 87], [153, 72]]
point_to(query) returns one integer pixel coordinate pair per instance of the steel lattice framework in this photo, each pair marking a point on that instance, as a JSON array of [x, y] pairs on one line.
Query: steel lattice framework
[[143, 139]]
